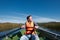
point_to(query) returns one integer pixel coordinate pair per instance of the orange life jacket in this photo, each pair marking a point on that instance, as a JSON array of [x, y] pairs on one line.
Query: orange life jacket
[[30, 29]]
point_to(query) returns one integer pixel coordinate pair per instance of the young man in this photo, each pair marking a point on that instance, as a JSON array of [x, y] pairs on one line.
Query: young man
[[30, 27]]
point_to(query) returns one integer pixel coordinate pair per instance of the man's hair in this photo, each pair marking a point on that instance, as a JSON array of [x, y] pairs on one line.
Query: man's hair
[[28, 17]]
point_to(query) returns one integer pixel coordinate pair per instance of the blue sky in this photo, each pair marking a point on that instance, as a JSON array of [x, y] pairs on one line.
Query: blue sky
[[41, 10]]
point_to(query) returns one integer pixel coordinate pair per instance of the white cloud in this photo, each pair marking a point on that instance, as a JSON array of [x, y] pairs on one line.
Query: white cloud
[[12, 19], [22, 19], [42, 19]]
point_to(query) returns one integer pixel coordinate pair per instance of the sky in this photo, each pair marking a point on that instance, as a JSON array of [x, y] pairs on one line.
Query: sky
[[16, 11]]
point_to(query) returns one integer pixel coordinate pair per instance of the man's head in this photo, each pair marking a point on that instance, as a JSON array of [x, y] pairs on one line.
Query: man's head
[[29, 18]]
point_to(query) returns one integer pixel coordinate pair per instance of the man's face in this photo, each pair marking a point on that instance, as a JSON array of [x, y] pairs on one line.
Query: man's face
[[30, 18]]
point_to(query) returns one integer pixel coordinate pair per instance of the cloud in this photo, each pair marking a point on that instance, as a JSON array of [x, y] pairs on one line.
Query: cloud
[[22, 19], [12, 19], [42, 19]]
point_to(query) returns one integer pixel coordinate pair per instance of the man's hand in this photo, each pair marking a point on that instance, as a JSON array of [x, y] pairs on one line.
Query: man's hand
[[36, 27], [23, 26]]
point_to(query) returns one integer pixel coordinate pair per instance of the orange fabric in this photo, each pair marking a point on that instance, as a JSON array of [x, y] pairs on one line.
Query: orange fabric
[[30, 28]]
